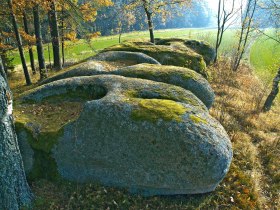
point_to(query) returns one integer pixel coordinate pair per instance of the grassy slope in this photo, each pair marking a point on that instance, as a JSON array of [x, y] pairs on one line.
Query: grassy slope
[[265, 57], [80, 50], [263, 54]]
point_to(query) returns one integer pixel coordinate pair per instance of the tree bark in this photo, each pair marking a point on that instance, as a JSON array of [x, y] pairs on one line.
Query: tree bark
[[39, 44], [151, 26], [2, 70], [31, 55], [19, 43], [150, 21], [55, 36], [4, 65], [273, 94], [62, 37], [14, 190]]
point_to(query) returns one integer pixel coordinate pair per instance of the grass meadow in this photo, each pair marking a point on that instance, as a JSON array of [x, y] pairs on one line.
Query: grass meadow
[[262, 55]]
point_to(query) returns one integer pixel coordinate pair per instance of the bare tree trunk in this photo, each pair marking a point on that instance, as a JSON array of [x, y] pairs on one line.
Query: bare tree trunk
[[2, 70], [223, 19], [244, 33], [31, 55], [39, 44], [14, 190], [4, 65], [19, 44], [55, 36], [150, 21], [62, 37], [273, 94], [150, 24]]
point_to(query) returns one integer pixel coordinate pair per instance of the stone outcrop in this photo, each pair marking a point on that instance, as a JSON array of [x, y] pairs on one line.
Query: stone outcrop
[[167, 55], [123, 56], [200, 47], [179, 76], [149, 137]]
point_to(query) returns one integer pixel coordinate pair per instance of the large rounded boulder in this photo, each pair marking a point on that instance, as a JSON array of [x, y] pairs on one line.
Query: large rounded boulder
[[166, 55], [131, 58], [148, 137], [179, 76], [200, 47]]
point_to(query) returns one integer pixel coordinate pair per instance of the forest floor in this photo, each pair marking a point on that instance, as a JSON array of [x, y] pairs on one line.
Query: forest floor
[[253, 181]]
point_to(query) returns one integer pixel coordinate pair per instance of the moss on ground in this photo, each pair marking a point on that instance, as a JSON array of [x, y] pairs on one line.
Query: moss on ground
[[155, 109]]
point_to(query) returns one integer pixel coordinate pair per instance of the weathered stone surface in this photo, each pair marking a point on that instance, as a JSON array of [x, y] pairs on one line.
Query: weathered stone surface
[[122, 56], [83, 69], [151, 138], [166, 55], [201, 47], [179, 76]]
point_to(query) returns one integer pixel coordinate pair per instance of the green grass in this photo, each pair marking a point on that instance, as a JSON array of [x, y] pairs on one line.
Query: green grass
[[263, 52], [264, 57], [81, 49]]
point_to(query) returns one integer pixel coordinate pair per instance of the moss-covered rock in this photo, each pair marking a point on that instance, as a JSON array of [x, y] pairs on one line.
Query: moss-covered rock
[[179, 76], [123, 56], [149, 137], [201, 47], [166, 55]]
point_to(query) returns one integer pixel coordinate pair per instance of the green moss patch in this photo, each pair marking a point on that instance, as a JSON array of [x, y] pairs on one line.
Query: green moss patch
[[154, 109], [44, 165], [166, 55], [50, 117], [196, 119], [161, 73]]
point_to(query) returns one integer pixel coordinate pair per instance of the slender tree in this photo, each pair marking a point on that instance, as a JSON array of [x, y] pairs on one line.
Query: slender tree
[[273, 94], [54, 35], [153, 7], [225, 18], [31, 55], [246, 29], [19, 42], [39, 44], [14, 190]]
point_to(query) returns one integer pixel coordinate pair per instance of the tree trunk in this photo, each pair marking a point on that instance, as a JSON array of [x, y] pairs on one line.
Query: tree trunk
[[150, 23], [246, 29], [31, 55], [2, 70], [55, 36], [19, 44], [62, 37], [39, 45], [14, 190], [4, 65], [273, 94]]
